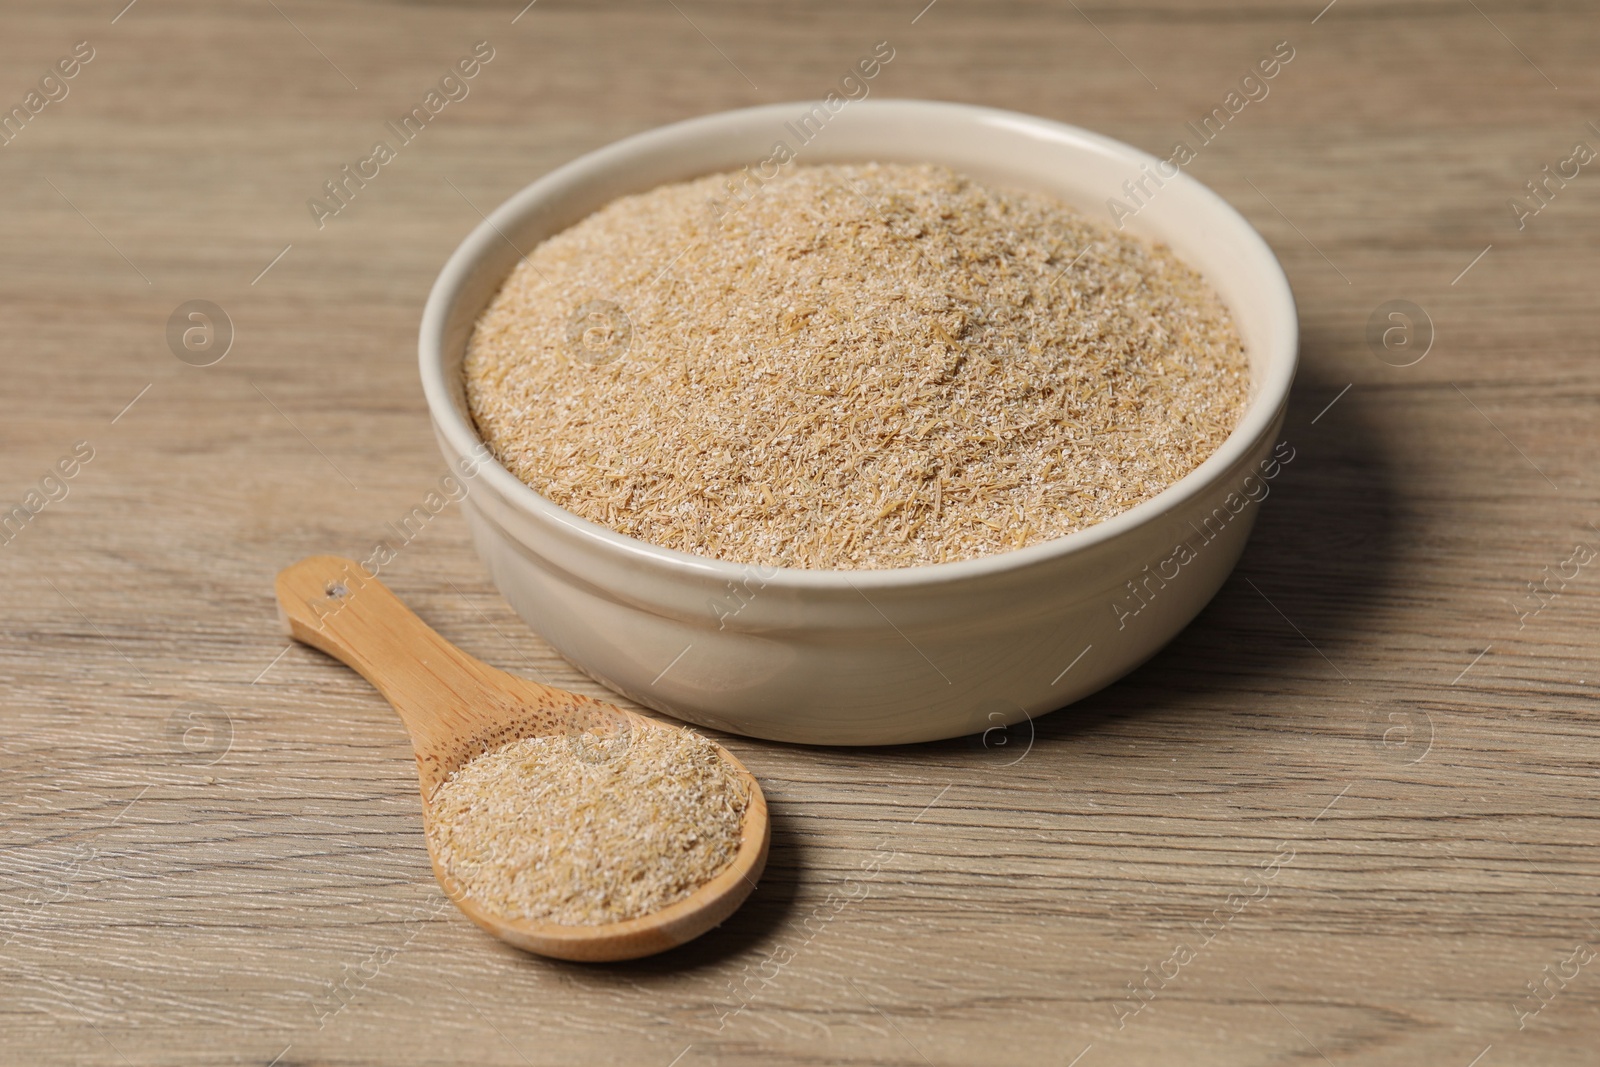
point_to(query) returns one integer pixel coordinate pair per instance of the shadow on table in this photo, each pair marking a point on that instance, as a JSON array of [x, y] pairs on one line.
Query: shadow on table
[[1322, 550]]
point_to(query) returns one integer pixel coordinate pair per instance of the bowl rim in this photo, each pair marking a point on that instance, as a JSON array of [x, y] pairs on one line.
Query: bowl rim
[[1280, 360]]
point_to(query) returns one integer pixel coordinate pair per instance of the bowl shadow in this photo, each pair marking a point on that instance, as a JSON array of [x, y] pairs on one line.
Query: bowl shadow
[[1321, 559]]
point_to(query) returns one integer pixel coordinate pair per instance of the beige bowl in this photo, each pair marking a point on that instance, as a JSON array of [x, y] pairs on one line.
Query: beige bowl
[[883, 656]]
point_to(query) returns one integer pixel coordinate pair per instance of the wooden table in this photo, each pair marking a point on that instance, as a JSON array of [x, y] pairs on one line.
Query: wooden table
[[1348, 816]]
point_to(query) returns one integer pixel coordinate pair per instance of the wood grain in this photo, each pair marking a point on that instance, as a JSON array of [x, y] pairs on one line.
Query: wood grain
[[1360, 789]]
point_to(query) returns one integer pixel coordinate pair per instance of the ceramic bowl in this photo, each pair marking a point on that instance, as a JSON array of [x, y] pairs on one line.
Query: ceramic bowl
[[877, 656]]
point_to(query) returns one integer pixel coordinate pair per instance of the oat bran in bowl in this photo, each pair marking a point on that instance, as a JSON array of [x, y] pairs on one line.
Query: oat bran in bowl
[[908, 611], [863, 366]]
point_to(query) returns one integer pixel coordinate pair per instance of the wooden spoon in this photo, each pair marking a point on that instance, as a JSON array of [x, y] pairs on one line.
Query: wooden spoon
[[456, 707]]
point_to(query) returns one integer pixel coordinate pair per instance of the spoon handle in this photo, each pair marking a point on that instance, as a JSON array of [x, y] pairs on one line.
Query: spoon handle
[[440, 692]]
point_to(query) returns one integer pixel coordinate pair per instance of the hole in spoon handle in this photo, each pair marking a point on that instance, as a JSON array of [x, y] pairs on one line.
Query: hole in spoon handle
[[334, 605]]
